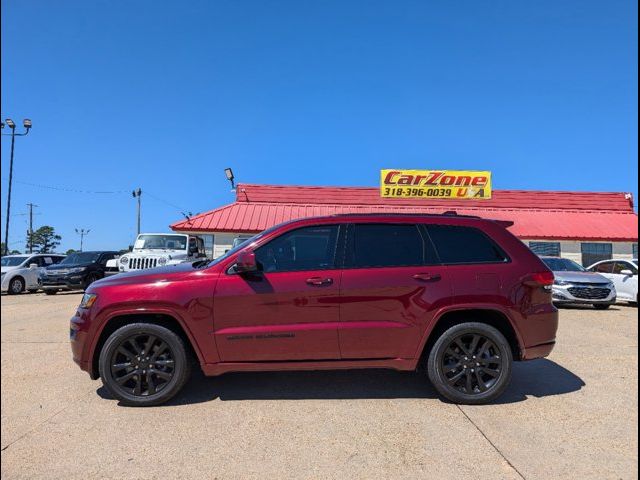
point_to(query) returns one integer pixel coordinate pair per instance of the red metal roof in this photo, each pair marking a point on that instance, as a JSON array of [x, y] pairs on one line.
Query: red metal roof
[[536, 214]]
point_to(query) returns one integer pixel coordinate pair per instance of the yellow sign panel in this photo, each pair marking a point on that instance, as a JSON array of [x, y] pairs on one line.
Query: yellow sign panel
[[442, 184]]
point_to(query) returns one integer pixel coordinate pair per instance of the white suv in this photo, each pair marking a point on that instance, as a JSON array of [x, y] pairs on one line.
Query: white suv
[[623, 274], [152, 250]]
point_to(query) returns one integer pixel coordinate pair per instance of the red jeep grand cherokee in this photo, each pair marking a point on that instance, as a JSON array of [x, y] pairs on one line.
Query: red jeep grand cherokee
[[458, 295]]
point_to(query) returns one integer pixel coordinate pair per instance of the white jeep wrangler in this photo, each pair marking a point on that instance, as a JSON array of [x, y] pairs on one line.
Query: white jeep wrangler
[[152, 250]]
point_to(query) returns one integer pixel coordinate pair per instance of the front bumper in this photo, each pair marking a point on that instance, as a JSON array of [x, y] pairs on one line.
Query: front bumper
[[579, 293], [71, 281], [79, 341]]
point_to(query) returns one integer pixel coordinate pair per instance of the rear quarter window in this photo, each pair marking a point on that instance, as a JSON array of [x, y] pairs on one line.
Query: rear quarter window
[[460, 245], [388, 245]]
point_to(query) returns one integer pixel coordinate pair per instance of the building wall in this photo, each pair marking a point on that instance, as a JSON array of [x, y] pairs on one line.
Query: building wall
[[573, 249]]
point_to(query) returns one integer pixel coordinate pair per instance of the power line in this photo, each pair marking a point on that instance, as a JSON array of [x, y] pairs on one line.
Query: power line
[[180, 209], [99, 192], [67, 189]]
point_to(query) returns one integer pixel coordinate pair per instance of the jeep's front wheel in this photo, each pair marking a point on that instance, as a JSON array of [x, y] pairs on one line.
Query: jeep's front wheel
[[143, 364], [470, 363]]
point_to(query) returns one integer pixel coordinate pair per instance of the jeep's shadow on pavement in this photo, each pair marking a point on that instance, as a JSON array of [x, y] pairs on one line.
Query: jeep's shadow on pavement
[[537, 378]]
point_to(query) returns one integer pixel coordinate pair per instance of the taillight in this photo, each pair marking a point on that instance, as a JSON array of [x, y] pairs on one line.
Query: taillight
[[539, 279]]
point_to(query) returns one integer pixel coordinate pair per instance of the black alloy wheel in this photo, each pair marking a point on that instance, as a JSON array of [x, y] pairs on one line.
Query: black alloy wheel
[[92, 277], [143, 364], [471, 363]]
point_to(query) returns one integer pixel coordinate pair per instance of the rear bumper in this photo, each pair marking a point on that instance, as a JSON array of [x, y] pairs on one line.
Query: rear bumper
[[538, 351], [538, 331]]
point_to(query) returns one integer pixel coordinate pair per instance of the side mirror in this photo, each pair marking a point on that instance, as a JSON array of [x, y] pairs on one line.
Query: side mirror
[[627, 272], [246, 262], [33, 266]]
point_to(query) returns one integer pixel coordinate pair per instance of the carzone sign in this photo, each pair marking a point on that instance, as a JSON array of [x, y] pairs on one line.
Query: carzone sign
[[453, 184]]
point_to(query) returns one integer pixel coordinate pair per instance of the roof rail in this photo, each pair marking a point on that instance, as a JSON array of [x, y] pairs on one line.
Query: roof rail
[[449, 213]]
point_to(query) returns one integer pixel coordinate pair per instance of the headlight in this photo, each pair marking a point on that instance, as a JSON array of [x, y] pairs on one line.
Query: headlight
[[88, 299], [162, 261], [561, 282], [124, 260], [76, 270]]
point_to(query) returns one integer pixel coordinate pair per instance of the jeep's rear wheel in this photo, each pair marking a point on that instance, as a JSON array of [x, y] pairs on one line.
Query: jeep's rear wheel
[[143, 364], [470, 363]]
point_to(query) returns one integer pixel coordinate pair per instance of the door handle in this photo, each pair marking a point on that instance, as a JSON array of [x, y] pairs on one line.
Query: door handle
[[427, 277], [319, 281]]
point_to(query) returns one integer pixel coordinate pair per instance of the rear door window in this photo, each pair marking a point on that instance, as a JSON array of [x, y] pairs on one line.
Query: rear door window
[[387, 245], [460, 245]]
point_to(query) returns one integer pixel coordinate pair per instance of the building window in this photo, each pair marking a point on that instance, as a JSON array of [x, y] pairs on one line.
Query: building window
[[595, 252], [208, 244], [545, 249], [634, 247]]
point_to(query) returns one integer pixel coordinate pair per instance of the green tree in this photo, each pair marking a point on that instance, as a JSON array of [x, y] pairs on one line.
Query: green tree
[[11, 252], [70, 251], [44, 239]]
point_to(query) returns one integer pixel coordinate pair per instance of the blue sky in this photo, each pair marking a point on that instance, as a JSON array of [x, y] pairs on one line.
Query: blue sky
[[164, 96]]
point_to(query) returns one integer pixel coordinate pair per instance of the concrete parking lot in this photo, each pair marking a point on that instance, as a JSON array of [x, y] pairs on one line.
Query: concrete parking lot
[[573, 415]]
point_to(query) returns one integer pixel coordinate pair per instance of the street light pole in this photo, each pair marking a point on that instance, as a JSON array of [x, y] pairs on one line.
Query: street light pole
[[82, 232], [31, 205], [137, 194], [27, 125]]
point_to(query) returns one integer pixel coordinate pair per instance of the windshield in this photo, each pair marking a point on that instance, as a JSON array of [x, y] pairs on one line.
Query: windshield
[[80, 258], [563, 265], [13, 261], [161, 242]]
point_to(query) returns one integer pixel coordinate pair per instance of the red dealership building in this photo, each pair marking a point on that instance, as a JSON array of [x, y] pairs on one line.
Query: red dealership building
[[583, 226]]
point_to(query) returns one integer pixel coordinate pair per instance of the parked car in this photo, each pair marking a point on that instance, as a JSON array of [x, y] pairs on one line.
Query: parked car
[[460, 296], [623, 274], [75, 272], [20, 272], [152, 250], [574, 284]]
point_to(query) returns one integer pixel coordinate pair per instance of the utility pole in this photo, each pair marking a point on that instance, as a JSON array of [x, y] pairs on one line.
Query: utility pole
[[31, 205], [82, 232], [137, 194], [27, 126]]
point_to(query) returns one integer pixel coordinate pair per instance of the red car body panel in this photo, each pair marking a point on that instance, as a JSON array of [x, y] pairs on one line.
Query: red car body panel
[[373, 317]]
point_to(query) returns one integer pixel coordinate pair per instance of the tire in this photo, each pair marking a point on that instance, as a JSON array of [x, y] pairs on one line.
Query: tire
[[92, 277], [447, 360], [147, 377], [601, 306], [16, 286], [50, 292]]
